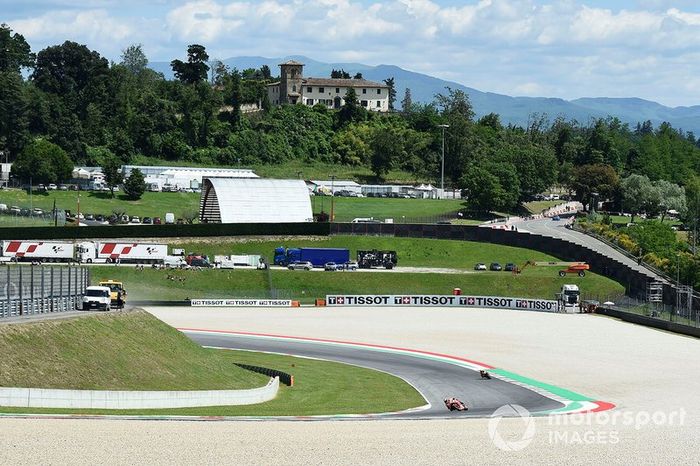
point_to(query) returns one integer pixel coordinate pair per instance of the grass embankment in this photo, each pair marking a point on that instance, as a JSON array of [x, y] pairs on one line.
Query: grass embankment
[[534, 282], [536, 207], [135, 351], [122, 351]]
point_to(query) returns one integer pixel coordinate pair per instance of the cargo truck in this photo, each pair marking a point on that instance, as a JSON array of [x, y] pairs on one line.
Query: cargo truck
[[375, 258], [233, 261], [317, 256], [39, 251], [84, 252]]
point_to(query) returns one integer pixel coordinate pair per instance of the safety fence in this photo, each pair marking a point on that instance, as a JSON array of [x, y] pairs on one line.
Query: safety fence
[[32, 289]]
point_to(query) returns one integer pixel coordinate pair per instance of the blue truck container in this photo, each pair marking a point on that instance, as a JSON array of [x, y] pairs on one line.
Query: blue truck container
[[317, 256]]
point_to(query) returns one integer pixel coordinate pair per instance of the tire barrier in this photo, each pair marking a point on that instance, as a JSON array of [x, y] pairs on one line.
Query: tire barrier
[[284, 378]]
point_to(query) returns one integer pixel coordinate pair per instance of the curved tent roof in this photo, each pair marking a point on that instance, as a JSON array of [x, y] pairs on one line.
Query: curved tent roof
[[241, 200]]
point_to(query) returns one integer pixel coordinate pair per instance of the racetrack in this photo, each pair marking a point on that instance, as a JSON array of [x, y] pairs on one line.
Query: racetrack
[[639, 369], [434, 379]]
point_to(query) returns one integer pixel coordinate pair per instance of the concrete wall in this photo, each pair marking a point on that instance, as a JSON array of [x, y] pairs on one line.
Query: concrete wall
[[118, 399]]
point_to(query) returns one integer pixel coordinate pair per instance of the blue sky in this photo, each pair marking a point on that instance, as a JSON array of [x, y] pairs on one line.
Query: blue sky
[[551, 48]]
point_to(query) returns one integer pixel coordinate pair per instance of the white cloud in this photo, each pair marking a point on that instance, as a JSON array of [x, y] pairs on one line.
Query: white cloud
[[548, 47]]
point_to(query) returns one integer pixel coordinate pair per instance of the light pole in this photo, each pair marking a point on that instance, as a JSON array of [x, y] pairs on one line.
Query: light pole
[[332, 195], [442, 171]]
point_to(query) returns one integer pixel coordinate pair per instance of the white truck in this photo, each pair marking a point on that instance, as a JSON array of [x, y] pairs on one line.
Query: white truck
[[83, 252], [117, 252], [569, 299], [233, 261], [37, 251]]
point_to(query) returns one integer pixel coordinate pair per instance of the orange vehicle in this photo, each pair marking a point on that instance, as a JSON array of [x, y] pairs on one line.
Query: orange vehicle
[[578, 268]]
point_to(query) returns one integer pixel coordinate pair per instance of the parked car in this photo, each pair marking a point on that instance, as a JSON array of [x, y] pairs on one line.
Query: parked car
[[40, 188], [100, 218], [15, 210], [89, 217], [495, 266], [62, 187], [480, 266], [510, 267], [147, 221], [157, 221], [37, 211], [300, 265], [556, 218], [330, 267], [351, 265], [134, 219], [53, 187]]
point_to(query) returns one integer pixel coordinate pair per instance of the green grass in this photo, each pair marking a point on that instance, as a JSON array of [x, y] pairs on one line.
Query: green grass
[[400, 210], [535, 282], [150, 205], [135, 351], [157, 204], [123, 351], [320, 387], [20, 221], [536, 207], [411, 251]]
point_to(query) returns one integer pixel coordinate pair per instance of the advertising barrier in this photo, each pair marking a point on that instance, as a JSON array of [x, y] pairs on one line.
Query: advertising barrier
[[241, 303], [490, 302]]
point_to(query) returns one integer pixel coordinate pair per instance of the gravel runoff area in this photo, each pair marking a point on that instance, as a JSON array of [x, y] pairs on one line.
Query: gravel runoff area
[[642, 371]]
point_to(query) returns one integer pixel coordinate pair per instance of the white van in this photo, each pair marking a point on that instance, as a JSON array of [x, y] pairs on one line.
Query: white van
[[97, 297], [169, 218]]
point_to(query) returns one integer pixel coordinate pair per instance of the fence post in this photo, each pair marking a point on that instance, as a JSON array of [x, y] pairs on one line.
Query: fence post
[[9, 293]]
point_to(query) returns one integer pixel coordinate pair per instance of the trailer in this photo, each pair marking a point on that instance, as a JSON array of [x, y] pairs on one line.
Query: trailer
[[37, 251], [375, 258], [126, 253], [317, 256], [234, 261]]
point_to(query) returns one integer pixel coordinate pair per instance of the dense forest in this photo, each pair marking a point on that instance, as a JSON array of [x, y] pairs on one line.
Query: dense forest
[[100, 113]]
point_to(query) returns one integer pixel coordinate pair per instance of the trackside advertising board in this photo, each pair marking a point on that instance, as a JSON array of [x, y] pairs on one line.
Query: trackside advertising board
[[491, 302], [241, 303]]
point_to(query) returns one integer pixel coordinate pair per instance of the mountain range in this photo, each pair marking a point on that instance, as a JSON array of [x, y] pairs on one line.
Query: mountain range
[[515, 110]]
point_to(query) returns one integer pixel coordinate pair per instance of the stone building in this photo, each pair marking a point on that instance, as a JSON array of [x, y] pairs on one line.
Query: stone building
[[293, 88]]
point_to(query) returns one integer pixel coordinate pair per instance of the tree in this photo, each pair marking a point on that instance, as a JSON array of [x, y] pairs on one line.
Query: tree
[[490, 186], [42, 162], [219, 72], [600, 179], [134, 59], [358, 75], [455, 103], [392, 92], [113, 175], [387, 148], [189, 215], [14, 121], [266, 73], [407, 101], [195, 69], [351, 111], [340, 74], [15, 52], [671, 197], [69, 69], [134, 185], [637, 194]]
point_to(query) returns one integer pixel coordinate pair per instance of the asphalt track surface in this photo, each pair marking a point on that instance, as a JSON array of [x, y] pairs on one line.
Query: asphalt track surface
[[435, 380]]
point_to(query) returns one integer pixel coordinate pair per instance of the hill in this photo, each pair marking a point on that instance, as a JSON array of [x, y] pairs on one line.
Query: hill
[[117, 351], [515, 110]]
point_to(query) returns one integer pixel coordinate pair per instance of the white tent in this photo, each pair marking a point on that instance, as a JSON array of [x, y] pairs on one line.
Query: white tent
[[250, 200], [81, 174]]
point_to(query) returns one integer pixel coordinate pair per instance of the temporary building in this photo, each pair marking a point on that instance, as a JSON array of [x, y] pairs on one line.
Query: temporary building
[[250, 200]]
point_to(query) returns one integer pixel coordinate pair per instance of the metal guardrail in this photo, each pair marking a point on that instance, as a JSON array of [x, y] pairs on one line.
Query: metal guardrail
[[30, 289]]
